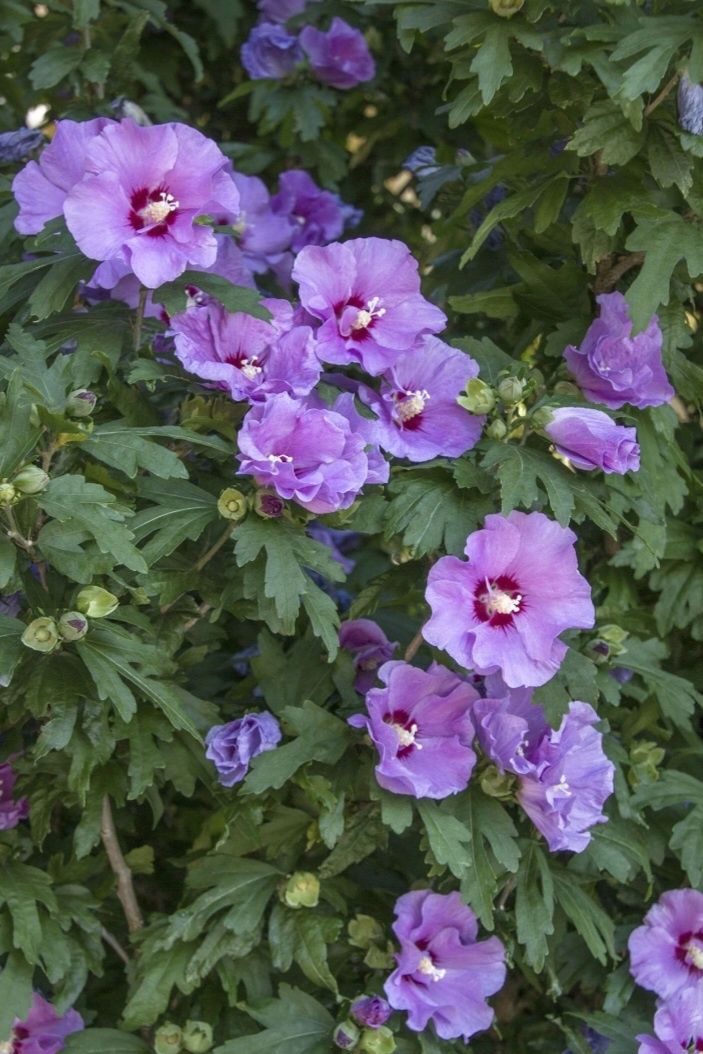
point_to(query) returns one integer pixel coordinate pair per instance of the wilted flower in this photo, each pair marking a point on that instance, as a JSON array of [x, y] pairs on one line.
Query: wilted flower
[[43, 1031], [315, 214], [421, 726], [590, 439], [678, 1025], [504, 609], [232, 746], [370, 647], [372, 1011], [367, 294], [613, 367], [270, 52], [666, 952], [340, 57], [11, 810], [444, 974], [144, 190], [690, 100]]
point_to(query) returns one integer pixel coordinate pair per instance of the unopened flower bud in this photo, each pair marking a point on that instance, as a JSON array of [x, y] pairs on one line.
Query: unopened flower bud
[[364, 931], [73, 625], [81, 403], [377, 1041], [41, 635], [232, 504], [96, 602], [566, 388], [614, 634], [268, 505], [645, 759], [497, 429], [197, 1037], [506, 8], [511, 390], [599, 651], [372, 1011], [168, 1039], [302, 890], [480, 397], [497, 784], [8, 495], [346, 1035], [31, 480], [541, 418]]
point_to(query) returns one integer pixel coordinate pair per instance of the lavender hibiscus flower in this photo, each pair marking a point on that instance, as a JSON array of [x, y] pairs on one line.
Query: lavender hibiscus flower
[[590, 439], [444, 974], [504, 609], [678, 1026], [690, 106], [143, 192], [316, 215], [418, 416], [243, 355], [340, 57], [613, 367], [366, 292], [11, 810], [17, 145], [270, 52], [370, 647], [263, 235], [307, 454], [43, 1031], [666, 952], [420, 723], [232, 746], [371, 1011]]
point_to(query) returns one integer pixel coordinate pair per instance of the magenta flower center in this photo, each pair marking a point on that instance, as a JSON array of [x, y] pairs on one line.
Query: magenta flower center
[[366, 315], [250, 366], [690, 950], [408, 407], [152, 211], [498, 601], [406, 730]]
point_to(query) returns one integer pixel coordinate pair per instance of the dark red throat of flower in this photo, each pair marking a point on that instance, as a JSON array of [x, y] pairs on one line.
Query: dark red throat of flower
[[406, 730], [498, 600], [154, 210]]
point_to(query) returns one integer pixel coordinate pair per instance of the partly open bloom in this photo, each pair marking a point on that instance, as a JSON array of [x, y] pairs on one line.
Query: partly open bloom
[[504, 609], [418, 416], [307, 454], [372, 1011], [43, 1031], [12, 810], [678, 1025], [590, 439], [367, 294], [613, 367], [339, 57], [444, 974], [270, 52], [666, 952], [232, 746], [370, 647], [421, 726], [243, 355], [315, 215], [143, 191]]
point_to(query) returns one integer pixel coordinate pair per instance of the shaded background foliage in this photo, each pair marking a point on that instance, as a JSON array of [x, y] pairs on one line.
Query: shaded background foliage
[[571, 116]]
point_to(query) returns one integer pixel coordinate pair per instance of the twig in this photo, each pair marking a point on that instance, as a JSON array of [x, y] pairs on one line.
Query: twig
[[507, 890], [607, 279], [139, 318], [214, 549], [48, 455], [120, 868], [661, 96], [117, 948], [413, 646]]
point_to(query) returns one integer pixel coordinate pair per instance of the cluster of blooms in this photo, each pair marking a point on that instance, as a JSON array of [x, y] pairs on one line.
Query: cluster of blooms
[[42, 1031], [338, 57], [666, 957]]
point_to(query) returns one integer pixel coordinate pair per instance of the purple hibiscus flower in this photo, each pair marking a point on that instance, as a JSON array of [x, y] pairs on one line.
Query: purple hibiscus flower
[[11, 810], [564, 776], [232, 746], [43, 1031], [444, 974], [10, 604], [263, 235], [340, 57], [678, 1026], [370, 647], [307, 454], [590, 439], [280, 10], [690, 105], [504, 609], [371, 1011], [366, 292], [315, 214], [243, 355], [338, 542], [270, 52], [421, 726], [41, 187], [143, 191], [17, 145], [666, 952], [418, 416], [613, 367]]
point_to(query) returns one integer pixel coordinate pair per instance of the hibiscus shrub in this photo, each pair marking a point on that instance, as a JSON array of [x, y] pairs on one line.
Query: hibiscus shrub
[[351, 575]]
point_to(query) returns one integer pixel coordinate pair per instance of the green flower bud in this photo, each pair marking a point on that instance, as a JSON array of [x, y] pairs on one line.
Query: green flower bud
[[197, 1037], [497, 429], [232, 504], [511, 390], [479, 399], [41, 635], [302, 890], [31, 480], [506, 8], [8, 495], [541, 418], [497, 784], [645, 759], [377, 1041], [364, 931], [268, 504], [346, 1035], [96, 602], [73, 625], [614, 635], [168, 1039], [81, 403]]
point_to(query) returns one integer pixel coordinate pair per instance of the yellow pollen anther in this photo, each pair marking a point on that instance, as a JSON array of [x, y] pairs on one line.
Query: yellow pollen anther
[[694, 954], [499, 603], [250, 368], [366, 315], [157, 211], [427, 967], [414, 404], [406, 736]]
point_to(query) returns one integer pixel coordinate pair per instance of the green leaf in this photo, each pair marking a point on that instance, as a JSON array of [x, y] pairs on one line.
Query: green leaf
[[448, 837], [591, 921], [534, 906], [320, 737], [15, 991], [665, 241], [295, 1023], [363, 835], [179, 511], [606, 129], [11, 647], [239, 887], [19, 435], [23, 889], [312, 934], [493, 63], [49, 296], [235, 298], [53, 65], [126, 448], [669, 164], [431, 512], [504, 210], [85, 11], [101, 1040], [8, 557]]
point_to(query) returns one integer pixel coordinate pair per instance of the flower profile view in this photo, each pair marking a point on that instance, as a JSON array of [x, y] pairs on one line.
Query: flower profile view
[[232, 746], [666, 951], [591, 439], [340, 56], [370, 648], [504, 608]]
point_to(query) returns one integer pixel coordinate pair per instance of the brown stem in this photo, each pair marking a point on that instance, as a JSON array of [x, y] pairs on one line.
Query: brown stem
[[661, 96], [214, 549], [117, 948], [120, 868], [48, 455], [413, 646], [608, 277]]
